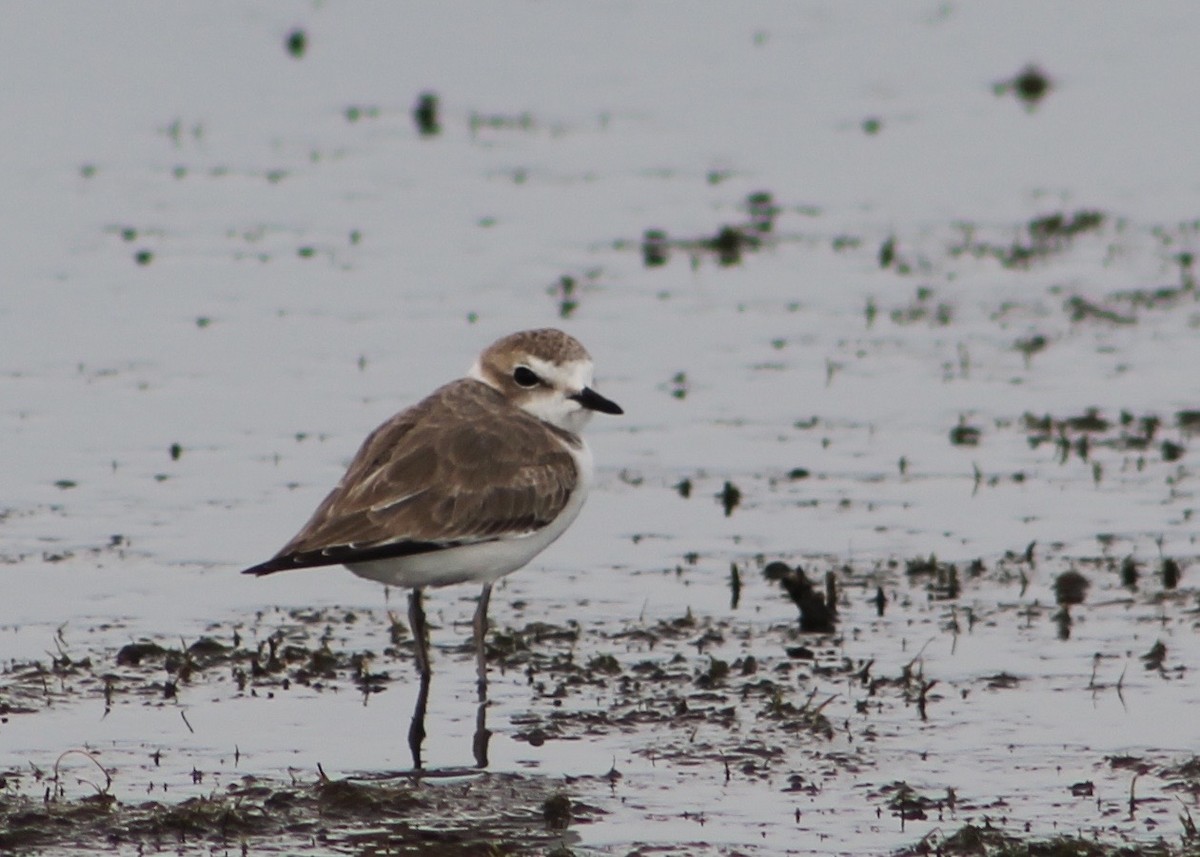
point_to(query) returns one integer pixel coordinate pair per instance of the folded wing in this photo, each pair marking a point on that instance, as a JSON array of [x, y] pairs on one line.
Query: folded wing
[[445, 472]]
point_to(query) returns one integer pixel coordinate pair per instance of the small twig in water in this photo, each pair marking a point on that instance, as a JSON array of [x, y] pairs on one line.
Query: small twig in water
[[921, 697], [819, 708], [1189, 826], [90, 758]]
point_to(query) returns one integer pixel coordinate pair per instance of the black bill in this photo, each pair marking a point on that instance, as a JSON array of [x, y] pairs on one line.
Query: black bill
[[593, 401]]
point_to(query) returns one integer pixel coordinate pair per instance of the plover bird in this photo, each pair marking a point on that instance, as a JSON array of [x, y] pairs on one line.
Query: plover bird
[[467, 485]]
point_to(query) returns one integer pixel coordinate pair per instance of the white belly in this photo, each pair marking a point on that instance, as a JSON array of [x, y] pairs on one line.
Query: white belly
[[484, 562]]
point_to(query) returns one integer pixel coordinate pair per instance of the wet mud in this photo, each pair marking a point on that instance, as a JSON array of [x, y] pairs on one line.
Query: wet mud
[[735, 701]]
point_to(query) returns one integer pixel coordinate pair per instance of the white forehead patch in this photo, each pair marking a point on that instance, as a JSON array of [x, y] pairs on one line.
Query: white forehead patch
[[571, 376]]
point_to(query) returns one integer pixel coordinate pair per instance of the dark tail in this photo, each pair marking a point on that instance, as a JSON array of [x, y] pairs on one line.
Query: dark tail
[[292, 561], [270, 567], [342, 554]]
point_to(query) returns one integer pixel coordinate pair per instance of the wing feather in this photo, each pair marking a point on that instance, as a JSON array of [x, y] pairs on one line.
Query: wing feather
[[448, 471]]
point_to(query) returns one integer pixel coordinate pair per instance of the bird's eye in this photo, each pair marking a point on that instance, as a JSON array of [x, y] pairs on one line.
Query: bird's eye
[[526, 377]]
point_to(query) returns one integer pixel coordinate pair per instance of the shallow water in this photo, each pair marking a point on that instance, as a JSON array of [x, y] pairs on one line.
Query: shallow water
[[212, 243]]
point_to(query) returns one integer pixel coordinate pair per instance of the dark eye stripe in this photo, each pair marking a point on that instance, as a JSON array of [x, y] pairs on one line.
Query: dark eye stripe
[[526, 377]]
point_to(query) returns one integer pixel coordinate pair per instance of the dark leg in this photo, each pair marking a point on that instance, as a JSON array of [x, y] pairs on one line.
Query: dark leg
[[480, 744], [416, 730], [480, 627], [416, 619]]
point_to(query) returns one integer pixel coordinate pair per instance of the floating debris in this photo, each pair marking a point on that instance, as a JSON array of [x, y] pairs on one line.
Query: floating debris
[[425, 115], [1044, 236], [679, 385], [887, 252], [1029, 346], [1080, 309], [730, 497], [924, 309], [565, 292], [1051, 231], [1086, 788], [729, 244], [906, 804], [1130, 572], [964, 434], [1085, 433], [655, 248], [762, 210], [296, 43], [356, 112], [1030, 86], [556, 810], [1154, 659], [1171, 572], [1070, 587], [1172, 451], [943, 581], [818, 611]]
